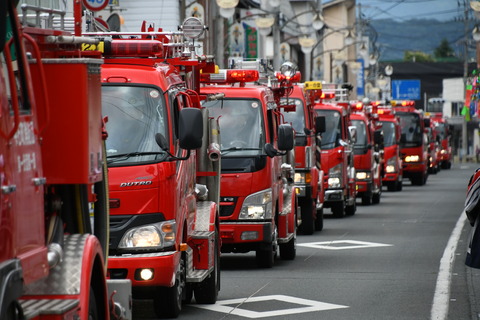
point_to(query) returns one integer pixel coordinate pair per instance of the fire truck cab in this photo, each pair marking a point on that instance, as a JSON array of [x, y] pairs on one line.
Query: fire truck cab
[[308, 171], [163, 160], [413, 141], [393, 168], [258, 208], [337, 150], [54, 194], [368, 153]]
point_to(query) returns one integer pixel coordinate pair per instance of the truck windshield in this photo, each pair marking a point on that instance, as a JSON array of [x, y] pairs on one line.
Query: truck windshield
[[361, 142], [333, 131], [297, 117], [241, 125], [135, 114], [441, 130], [389, 135], [411, 128]]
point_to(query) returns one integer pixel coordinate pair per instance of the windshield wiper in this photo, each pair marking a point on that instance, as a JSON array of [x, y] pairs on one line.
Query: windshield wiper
[[224, 151], [123, 156]]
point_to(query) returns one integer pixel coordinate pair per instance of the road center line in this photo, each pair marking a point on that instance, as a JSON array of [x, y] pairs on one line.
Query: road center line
[[441, 299]]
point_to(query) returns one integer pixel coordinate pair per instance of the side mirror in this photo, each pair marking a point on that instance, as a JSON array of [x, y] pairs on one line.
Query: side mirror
[[403, 138], [320, 125], [426, 122], [190, 128], [286, 137], [378, 137], [352, 132]]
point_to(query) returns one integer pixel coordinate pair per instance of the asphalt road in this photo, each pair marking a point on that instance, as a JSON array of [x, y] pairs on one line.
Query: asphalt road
[[400, 259]]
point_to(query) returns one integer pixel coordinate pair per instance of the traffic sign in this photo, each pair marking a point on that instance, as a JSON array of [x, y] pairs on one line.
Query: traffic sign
[[406, 89], [95, 5]]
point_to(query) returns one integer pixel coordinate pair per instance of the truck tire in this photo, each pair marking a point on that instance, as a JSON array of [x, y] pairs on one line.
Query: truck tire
[[265, 257], [399, 185], [168, 301], [307, 206], [206, 292], [367, 199], [319, 220], [338, 210], [92, 306], [350, 210], [376, 197], [288, 251]]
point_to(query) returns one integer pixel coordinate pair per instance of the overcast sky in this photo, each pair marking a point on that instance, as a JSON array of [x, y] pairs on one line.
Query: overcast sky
[[421, 9]]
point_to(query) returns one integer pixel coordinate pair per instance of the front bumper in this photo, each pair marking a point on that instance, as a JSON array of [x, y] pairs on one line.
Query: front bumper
[[245, 236], [163, 264]]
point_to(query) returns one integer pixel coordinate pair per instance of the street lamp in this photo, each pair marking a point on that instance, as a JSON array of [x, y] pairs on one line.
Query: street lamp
[[306, 44], [227, 7], [318, 22], [476, 34], [264, 25]]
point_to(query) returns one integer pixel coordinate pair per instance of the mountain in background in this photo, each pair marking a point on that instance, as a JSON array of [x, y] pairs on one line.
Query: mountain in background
[[425, 35]]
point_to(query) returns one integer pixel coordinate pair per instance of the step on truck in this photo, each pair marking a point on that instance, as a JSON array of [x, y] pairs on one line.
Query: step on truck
[[368, 153], [258, 208], [337, 149], [164, 166], [392, 165], [413, 141], [54, 190], [308, 171]]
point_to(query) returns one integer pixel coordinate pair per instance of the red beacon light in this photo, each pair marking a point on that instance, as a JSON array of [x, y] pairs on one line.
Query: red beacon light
[[356, 106], [230, 76], [327, 95], [408, 103]]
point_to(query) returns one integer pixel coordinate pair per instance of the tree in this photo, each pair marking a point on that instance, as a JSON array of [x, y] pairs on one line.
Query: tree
[[417, 56], [444, 50]]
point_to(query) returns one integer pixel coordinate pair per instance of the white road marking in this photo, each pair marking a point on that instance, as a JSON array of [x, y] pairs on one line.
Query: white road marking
[[441, 297], [309, 306], [340, 245]]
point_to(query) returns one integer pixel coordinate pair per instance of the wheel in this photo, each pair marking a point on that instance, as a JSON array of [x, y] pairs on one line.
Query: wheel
[[307, 206], [92, 306], [350, 210], [392, 186], [367, 200], [265, 257], [376, 197], [168, 301], [288, 251], [207, 291], [338, 210], [319, 220], [14, 311], [399, 185]]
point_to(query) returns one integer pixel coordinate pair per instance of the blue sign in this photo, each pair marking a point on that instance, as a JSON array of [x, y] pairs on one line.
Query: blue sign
[[361, 79], [406, 90]]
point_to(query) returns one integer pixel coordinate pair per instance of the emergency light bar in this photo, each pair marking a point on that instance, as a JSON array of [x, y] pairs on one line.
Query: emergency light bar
[[291, 78], [230, 76], [356, 106], [327, 95], [133, 48], [404, 103]]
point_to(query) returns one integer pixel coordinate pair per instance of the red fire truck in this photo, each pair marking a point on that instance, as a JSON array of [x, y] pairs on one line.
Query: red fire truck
[[308, 172], [413, 141], [163, 161], [54, 200], [443, 131], [393, 168], [337, 150], [368, 153], [433, 146], [258, 201]]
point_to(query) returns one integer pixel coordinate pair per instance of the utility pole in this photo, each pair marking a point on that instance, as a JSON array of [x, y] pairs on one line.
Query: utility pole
[[464, 149]]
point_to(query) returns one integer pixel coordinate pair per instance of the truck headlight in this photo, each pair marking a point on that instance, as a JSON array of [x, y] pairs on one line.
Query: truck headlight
[[335, 176], [391, 165], [363, 175], [155, 236], [414, 158], [257, 206], [443, 151]]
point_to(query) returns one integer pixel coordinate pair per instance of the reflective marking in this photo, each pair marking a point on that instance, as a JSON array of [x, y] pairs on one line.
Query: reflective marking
[[342, 245], [309, 306], [442, 289]]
